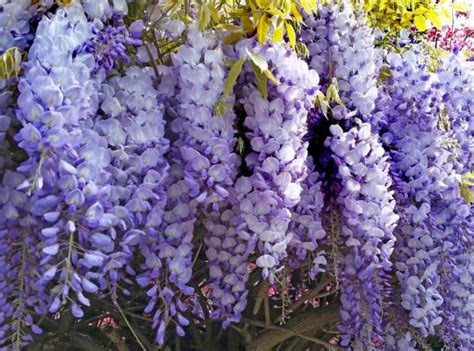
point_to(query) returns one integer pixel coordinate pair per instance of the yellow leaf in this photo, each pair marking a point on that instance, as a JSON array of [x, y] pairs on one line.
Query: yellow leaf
[[278, 34], [420, 23], [263, 4], [420, 10], [290, 31], [333, 95], [434, 17], [383, 4], [276, 12], [262, 29], [302, 50], [306, 5], [370, 4], [446, 15], [10, 63], [215, 14], [285, 6], [296, 13], [461, 6], [232, 77], [468, 179]]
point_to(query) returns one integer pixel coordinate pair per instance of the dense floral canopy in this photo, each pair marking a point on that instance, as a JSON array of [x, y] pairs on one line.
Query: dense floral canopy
[[230, 175]]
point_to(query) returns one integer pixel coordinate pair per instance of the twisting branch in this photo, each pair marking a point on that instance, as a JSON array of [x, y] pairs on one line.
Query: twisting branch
[[308, 322]]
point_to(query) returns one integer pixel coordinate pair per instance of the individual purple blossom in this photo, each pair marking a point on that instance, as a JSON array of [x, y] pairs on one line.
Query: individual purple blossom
[[368, 219]]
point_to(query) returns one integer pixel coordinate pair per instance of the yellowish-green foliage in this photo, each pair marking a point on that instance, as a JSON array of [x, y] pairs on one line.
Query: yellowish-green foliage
[[467, 187], [393, 15], [10, 63], [266, 19]]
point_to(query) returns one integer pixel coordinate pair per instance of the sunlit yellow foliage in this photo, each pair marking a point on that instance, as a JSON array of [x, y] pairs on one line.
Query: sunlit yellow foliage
[[264, 19], [394, 15]]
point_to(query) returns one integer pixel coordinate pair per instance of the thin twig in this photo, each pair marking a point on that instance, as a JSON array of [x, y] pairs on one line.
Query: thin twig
[[309, 295], [152, 60], [129, 325]]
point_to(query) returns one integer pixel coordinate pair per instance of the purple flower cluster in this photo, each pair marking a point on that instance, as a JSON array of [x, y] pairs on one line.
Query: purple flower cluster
[[132, 122], [341, 47], [15, 19], [109, 42], [306, 224], [434, 247], [201, 160], [19, 298], [65, 170], [456, 81], [206, 150], [276, 127], [15, 31], [368, 220]]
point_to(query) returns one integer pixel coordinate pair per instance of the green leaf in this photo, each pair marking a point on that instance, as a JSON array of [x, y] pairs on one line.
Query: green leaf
[[332, 94], [240, 146], [257, 60], [262, 81], [233, 75], [270, 76], [302, 50], [467, 194], [322, 103], [219, 108], [10, 63]]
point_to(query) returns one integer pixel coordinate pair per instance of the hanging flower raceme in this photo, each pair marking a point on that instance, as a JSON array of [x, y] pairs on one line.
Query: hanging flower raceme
[[456, 80], [276, 126], [202, 160], [65, 173], [341, 47], [367, 223], [15, 36], [19, 258], [133, 124], [306, 225], [207, 141], [434, 246]]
